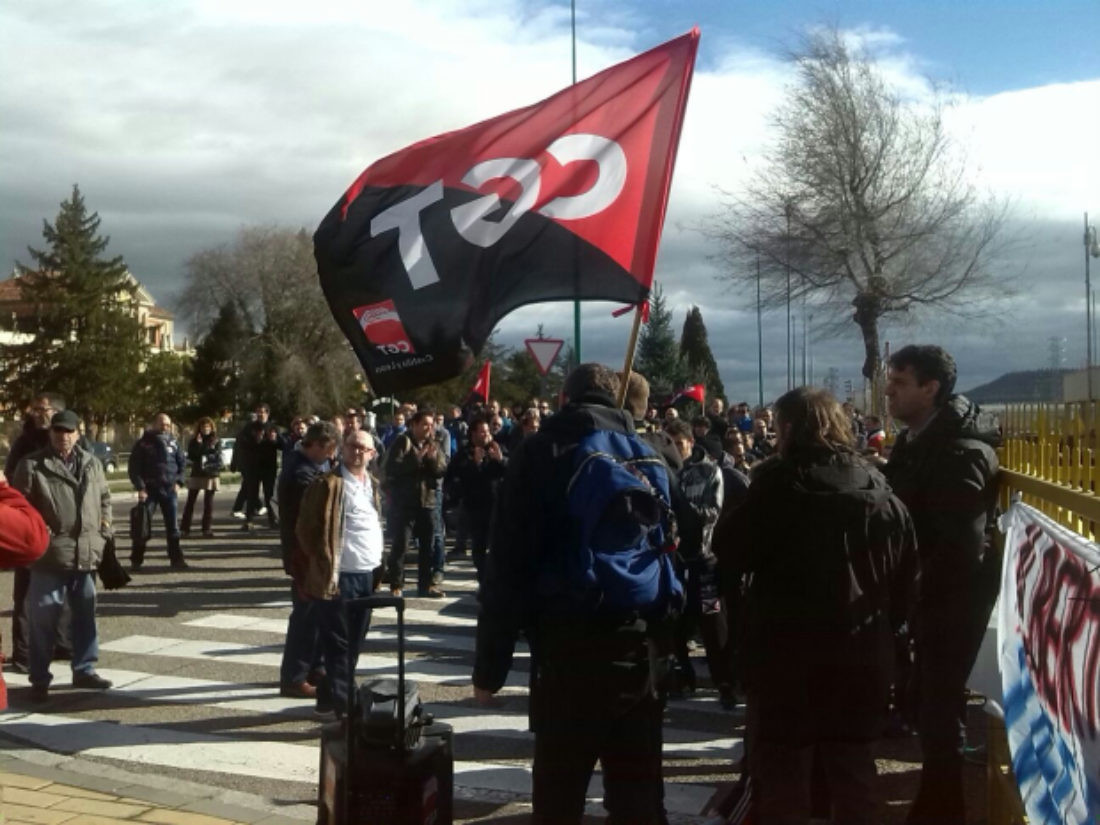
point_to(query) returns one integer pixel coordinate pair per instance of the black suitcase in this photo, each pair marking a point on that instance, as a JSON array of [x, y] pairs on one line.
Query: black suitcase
[[387, 762]]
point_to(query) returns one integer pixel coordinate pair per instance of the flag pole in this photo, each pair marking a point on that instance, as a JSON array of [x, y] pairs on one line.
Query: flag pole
[[628, 363], [576, 262]]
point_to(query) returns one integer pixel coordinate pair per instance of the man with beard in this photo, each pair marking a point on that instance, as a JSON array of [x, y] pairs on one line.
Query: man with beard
[[412, 472], [944, 468], [35, 436], [476, 470]]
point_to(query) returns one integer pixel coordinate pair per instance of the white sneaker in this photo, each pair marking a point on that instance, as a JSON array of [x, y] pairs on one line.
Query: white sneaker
[[238, 514], [262, 511]]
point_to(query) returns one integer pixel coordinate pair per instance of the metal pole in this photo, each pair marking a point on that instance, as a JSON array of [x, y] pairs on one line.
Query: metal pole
[[790, 353], [805, 333], [576, 262], [809, 324], [1088, 312], [759, 339]]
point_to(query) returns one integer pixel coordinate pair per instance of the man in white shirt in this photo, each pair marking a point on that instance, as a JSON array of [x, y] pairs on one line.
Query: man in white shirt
[[339, 536]]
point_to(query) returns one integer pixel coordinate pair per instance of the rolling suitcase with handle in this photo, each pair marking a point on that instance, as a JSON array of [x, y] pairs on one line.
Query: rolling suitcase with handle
[[387, 761]]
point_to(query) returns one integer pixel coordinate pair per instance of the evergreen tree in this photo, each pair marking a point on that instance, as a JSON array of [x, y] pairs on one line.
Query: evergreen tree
[[166, 387], [87, 342], [698, 361], [217, 367], [658, 356]]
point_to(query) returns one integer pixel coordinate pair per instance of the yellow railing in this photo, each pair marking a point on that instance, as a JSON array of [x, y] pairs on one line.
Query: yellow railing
[[1049, 458]]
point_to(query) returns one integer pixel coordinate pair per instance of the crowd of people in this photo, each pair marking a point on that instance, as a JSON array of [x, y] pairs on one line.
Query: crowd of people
[[838, 586]]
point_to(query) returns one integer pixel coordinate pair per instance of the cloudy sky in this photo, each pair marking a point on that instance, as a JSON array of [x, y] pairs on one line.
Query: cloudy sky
[[184, 121]]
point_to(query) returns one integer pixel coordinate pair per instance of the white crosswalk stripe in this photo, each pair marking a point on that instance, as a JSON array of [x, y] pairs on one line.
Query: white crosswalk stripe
[[161, 671]]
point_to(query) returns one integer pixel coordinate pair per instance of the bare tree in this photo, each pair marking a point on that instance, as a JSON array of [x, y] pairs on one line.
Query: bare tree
[[863, 205], [300, 361]]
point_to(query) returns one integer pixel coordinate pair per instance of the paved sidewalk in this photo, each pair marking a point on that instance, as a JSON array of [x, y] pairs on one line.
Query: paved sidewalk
[[42, 788]]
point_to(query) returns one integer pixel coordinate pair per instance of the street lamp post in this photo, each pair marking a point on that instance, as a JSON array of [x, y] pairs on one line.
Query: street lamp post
[[1092, 250]]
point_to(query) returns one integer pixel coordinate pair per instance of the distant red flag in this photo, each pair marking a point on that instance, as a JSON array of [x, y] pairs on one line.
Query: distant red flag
[[480, 389], [431, 246], [696, 391]]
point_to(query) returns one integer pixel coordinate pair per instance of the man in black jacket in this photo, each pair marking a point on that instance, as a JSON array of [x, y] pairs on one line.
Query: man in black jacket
[[592, 685], [475, 471], [302, 653], [156, 470], [944, 469], [35, 437]]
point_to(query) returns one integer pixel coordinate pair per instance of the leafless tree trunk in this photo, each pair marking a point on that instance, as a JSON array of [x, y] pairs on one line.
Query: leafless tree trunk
[[864, 199]]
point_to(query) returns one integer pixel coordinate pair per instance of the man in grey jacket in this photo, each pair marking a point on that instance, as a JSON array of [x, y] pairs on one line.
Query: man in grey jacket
[[68, 488]]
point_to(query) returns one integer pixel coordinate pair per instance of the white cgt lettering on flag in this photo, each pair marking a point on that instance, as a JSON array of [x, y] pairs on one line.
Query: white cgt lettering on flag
[[469, 218]]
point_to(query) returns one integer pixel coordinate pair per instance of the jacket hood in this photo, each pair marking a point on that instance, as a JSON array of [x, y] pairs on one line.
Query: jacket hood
[[962, 418], [576, 419], [824, 474]]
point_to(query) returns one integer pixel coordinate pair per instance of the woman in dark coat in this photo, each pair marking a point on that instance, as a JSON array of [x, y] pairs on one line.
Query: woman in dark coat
[[826, 556], [204, 454]]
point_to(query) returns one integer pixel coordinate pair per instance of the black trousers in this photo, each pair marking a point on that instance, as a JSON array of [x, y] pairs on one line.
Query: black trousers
[[628, 747], [477, 521], [409, 523], [948, 638]]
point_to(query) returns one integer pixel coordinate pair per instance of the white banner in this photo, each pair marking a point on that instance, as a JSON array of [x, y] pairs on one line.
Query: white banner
[[1048, 638]]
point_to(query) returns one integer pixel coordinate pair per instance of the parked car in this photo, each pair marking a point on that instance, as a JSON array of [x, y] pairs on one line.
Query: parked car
[[227, 451], [102, 450]]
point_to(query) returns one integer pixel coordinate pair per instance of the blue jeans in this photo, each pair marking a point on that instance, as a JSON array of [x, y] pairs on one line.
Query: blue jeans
[[439, 558], [338, 633], [49, 590], [302, 651], [168, 502]]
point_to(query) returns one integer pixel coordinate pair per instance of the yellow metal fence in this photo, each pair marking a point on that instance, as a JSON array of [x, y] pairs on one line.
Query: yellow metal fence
[[1048, 458]]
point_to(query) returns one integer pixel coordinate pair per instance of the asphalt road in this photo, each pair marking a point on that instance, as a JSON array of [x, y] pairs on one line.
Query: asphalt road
[[194, 655]]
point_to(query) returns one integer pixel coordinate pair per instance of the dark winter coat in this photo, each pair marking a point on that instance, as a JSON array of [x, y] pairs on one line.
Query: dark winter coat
[[210, 447], [947, 478], [581, 664], [412, 481], [476, 482], [31, 440], [297, 474], [156, 462], [829, 555]]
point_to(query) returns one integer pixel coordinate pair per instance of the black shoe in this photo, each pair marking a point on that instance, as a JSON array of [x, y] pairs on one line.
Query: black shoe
[[40, 694], [180, 564], [18, 666], [90, 680], [135, 564], [727, 698]]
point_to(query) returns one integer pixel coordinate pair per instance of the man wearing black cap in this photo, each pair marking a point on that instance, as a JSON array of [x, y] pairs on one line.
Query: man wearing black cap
[[68, 488], [35, 436]]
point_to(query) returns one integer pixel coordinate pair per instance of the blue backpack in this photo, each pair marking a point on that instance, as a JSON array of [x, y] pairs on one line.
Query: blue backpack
[[618, 557]]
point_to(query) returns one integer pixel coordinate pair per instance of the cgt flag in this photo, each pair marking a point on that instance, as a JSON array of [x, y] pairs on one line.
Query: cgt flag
[[431, 246], [696, 391]]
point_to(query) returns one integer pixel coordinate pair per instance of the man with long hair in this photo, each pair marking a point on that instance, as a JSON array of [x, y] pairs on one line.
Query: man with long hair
[[827, 554]]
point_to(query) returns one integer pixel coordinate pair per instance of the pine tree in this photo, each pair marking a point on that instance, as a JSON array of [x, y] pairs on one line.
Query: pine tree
[[87, 342], [217, 367], [658, 356], [695, 355]]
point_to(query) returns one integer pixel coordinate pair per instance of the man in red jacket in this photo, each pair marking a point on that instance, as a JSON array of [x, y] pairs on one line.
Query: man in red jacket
[[23, 540]]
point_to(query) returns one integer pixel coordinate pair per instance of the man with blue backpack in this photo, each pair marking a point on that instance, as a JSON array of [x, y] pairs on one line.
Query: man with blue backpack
[[581, 563]]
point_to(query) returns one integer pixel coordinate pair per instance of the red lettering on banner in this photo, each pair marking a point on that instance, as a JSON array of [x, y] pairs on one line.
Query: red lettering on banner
[[1060, 605]]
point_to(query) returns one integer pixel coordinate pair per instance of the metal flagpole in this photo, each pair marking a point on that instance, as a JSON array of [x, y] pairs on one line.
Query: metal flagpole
[[790, 353], [1088, 313], [759, 339], [576, 262]]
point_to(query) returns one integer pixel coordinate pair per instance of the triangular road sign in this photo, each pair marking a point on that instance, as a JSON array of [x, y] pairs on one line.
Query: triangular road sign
[[544, 351]]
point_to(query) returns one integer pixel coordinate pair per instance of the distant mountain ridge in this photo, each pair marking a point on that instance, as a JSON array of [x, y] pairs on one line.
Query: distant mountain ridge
[[1025, 385]]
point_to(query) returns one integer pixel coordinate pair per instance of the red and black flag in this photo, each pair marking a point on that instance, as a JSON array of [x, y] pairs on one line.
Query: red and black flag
[[434, 244], [480, 390]]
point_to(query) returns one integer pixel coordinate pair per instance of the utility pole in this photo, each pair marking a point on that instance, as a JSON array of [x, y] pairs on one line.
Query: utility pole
[[790, 351], [576, 257], [759, 340]]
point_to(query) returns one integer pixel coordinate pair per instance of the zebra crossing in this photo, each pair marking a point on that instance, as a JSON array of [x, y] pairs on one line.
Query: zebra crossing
[[165, 713]]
